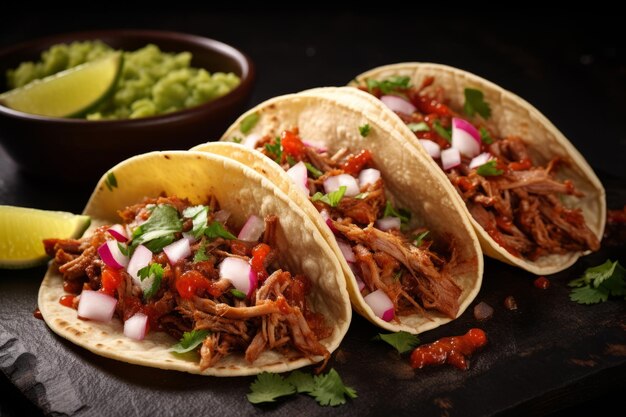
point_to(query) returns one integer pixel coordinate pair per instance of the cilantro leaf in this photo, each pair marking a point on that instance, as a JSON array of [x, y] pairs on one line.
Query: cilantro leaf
[[199, 216], [158, 231], [418, 127], [190, 341], [402, 214], [489, 169], [248, 123], [441, 131], [267, 387], [314, 171], [236, 139], [365, 129], [216, 229], [332, 199], [238, 294], [330, 390], [290, 160], [275, 149], [485, 137], [150, 276], [417, 240], [388, 85], [402, 341], [361, 196], [124, 249], [111, 181], [200, 254], [598, 283], [301, 381], [475, 103]]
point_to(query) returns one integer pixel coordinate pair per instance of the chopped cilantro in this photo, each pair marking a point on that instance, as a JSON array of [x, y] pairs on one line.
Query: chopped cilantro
[[418, 127], [332, 199], [190, 341], [418, 240], [269, 386], [598, 283], [248, 123], [441, 131], [314, 171], [236, 139], [124, 249], [275, 149], [489, 169], [402, 214], [216, 229], [485, 136], [199, 216], [365, 130], [150, 276], [475, 103], [200, 254], [290, 160], [111, 181], [388, 85], [361, 196], [238, 294], [402, 341], [158, 231], [330, 390]]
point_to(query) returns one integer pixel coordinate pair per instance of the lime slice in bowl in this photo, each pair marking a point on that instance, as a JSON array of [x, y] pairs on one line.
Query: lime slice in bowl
[[23, 229], [70, 93]]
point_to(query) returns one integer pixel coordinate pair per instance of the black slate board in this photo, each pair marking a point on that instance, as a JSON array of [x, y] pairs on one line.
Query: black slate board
[[549, 354]]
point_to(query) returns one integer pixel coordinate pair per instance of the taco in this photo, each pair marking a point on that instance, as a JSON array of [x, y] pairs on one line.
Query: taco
[[532, 198], [412, 261], [198, 248]]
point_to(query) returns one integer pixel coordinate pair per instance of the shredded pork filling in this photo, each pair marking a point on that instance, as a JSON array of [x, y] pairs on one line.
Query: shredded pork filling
[[275, 316]]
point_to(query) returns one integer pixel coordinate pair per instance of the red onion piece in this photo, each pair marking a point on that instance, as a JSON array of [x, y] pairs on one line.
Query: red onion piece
[[368, 176], [177, 250], [140, 259], [318, 146], [118, 232], [252, 229], [221, 216], [332, 184], [136, 327], [450, 158], [111, 255], [239, 273], [298, 174], [398, 104], [328, 220], [433, 148], [381, 304], [251, 140], [347, 251], [481, 159], [465, 137], [388, 223], [96, 305]]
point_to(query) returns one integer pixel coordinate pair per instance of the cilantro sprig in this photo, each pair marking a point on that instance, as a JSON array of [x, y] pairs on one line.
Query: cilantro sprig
[[365, 129], [275, 149], [442, 131], [314, 171], [388, 85], [489, 169], [150, 277], [403, 215], [419, 239], [485, 137], [402, 341], [158, 231], [475, 103], [332, 199], [598, 283], [190, 341], [328, 389]]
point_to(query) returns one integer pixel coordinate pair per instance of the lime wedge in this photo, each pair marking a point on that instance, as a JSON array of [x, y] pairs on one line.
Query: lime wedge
[[69, 93], [23, 229]]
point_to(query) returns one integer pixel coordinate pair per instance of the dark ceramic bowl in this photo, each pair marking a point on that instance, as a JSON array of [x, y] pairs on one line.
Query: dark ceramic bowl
[[78, 150]]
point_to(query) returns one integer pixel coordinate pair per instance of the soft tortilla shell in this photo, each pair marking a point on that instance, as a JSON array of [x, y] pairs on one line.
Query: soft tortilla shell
[[241, 191], [510, 115], [334, 122]]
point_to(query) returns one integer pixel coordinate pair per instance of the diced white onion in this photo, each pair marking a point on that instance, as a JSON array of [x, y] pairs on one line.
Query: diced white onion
[[368, 176], [433, 148], [140, 259], [136, 326], [239, 273], [388, 223], [381, 304], [332, 184], [398, 104], [96, 305], [252, 229], [450, 158], [298, 174], [177, 250]]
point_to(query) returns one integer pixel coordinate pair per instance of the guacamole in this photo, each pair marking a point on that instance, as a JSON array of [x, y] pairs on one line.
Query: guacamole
[[152, 82]]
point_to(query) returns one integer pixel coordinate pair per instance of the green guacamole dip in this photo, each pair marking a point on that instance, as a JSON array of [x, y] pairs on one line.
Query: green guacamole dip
[[152, 82]]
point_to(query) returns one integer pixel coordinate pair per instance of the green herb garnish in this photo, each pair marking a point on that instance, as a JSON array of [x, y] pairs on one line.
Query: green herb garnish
[[158, 231], [124, 249], [361, 196], [199, 216], [418, 127], [201, 254], [365, 129], [236, 139], [275, 149], [598, 283], [314, 171], [216, 229], [441, 131], [111, 181], [403, 215], [290, 160], [248, 123], [152, 274], [485, 137], [475, 103], [418, 240], [190, 341], [489, 169], [402, 341], [238, 294], [269, 386], [332, 199], [388, 85]]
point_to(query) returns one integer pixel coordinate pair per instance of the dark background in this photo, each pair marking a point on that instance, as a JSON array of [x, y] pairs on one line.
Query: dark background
[[572, 68]]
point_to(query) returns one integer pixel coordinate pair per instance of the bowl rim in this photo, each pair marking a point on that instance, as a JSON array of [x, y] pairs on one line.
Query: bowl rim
[[247, 73]]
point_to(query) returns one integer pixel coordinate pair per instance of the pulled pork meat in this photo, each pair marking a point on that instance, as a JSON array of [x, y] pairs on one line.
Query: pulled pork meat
[[192, 295], [519, 207], [414, 277]]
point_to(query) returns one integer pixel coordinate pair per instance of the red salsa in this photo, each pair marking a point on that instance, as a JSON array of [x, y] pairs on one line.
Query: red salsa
[[451, 350]]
